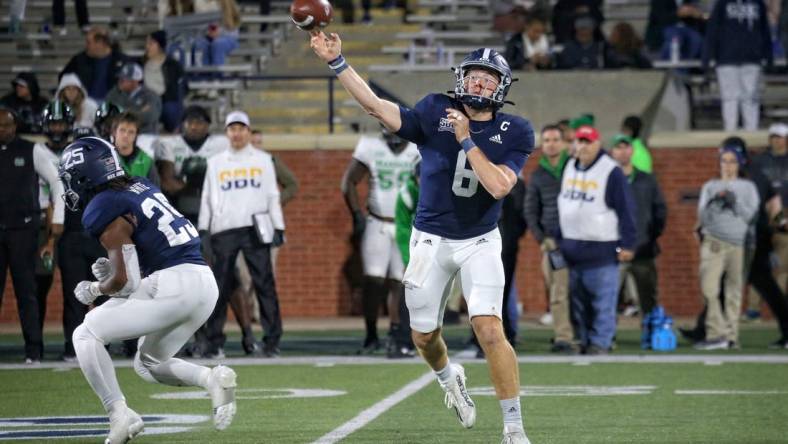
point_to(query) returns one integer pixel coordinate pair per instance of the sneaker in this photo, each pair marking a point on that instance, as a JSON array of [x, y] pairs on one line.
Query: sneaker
[[514, 435], [221, 388], [563, 347], [596, 350], [546, 319], [370, 346], [250, 346], [396, 351], [218, 354], [271, 351], [124, 426], [32, 361], [712, 344], [692, 334], [457, 397], [733, 345], [630, 311], [779, 344], [68, 358]]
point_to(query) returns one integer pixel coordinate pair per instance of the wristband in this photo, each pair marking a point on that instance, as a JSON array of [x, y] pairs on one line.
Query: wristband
[[338, 64], [467, 143]]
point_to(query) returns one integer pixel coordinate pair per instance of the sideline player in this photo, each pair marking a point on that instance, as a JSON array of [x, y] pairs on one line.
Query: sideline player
[[387, 163], [160, 288], [464, 142]]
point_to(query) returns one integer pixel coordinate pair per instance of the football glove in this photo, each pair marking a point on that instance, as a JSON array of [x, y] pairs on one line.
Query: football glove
[[87, 292], [279, 238], [102, 269]]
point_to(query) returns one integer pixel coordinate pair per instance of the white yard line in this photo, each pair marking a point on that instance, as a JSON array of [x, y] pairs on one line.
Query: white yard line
[[369, 415], [325, 361]]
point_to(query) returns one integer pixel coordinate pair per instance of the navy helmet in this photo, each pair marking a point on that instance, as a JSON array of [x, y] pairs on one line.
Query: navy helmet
[[491, 60], [85, 165], [58, 111]]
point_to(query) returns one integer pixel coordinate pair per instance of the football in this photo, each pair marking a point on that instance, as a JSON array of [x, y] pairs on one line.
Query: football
[[311, 14]]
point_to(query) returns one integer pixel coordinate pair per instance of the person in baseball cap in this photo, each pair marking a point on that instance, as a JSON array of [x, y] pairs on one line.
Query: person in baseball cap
[[588, 133], [131, 95], [778, 130], [596, 212], [131, 71], [236, 127], [236, 117]]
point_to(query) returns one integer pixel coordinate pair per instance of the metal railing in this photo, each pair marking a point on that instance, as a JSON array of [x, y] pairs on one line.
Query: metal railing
[[243, 79]]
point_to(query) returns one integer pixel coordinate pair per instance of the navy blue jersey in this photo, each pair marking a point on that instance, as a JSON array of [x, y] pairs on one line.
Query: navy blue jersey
[[163, 237], [452, 202]]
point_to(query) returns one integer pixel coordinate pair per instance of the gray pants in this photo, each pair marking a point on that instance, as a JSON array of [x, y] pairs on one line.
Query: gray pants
[[739, 89]]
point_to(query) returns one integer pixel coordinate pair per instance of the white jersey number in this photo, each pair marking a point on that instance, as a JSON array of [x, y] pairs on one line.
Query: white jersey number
[[461, 187], [168, 215]]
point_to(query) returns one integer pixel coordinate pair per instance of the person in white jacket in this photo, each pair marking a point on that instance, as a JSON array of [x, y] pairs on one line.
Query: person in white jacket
[[241, 211], [71, 91]]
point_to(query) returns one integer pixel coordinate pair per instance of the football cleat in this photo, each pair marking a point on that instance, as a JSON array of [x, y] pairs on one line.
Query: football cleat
[[712, 344], [124, 426], [514, 435], [457, 397], [221, 388]]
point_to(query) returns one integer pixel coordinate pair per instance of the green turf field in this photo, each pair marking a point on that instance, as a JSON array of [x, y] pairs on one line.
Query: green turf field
[[312, 394]]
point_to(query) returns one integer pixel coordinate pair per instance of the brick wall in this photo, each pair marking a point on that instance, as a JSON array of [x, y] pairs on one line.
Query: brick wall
[[310, 273]]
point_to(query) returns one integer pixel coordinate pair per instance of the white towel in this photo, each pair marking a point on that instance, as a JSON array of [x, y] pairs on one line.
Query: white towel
[[423, 248]]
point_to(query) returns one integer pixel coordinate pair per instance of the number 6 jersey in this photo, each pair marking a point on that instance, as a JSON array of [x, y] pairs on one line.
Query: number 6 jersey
[[388, 171], [452, 202], [163, 237]]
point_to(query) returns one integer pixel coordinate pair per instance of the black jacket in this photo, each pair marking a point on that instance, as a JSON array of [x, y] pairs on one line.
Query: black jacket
[[18, 185], [512, 224], [28, 113], [84, 67], [652, 213], [596, 55], [541, 204], [664, 13]]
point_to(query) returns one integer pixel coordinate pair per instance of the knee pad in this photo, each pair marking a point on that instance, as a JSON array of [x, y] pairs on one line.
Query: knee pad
[[143, 364]]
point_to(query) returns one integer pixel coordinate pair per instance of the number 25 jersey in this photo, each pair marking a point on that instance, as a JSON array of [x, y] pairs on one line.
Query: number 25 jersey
[[452, 202], [162, 236]]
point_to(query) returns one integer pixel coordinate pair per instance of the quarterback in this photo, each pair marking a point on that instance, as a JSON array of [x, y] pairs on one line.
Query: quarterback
[[161, 289], [471, 155]]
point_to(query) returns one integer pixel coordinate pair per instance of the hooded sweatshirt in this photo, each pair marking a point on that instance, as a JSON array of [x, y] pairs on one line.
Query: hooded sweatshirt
[[737, 33], [87, 114], [28, 111]]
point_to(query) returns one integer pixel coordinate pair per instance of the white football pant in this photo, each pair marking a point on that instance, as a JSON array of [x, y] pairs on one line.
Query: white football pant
[[164, 312], [379, 250], [477, 261]]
